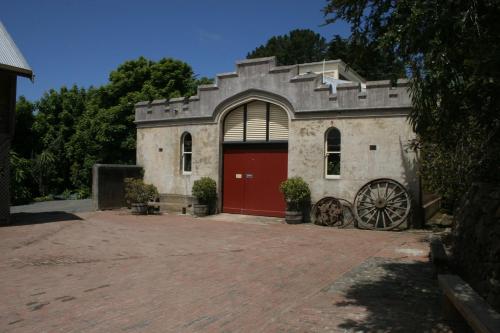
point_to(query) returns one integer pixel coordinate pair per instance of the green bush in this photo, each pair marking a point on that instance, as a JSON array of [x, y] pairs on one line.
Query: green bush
[[136, 191], [205, 190], [296, 192]]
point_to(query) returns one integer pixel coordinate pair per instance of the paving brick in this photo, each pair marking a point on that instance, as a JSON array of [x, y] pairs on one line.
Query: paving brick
[[114, 272]]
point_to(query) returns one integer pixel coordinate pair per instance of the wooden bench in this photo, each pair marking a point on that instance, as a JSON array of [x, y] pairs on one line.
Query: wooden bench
[[459, 296]]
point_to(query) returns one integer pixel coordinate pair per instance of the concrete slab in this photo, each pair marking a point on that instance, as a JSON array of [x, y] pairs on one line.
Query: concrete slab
[[114, 272]]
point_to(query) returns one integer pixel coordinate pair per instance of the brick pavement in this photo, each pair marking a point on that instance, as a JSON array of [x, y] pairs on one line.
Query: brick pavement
[[114, 272]]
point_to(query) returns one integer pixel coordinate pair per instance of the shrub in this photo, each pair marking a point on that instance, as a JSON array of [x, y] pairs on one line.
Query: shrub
[[136, 191], [296, 192], [205, 190]]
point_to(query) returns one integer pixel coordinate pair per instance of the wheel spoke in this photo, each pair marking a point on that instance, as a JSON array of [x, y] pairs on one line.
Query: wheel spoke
[[394, 212], [383, 218], [367, 212], [376, 221], [390, 219], [396, 196], [394, 207], [397, 201], [389, 195], [369, 218]]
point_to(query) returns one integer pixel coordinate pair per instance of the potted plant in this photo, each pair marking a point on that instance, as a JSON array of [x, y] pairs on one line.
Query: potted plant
[[297, 197], [137, 194], [205, 191]]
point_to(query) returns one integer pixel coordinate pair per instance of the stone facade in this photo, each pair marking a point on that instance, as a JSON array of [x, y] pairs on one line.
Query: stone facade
[[371, 116]]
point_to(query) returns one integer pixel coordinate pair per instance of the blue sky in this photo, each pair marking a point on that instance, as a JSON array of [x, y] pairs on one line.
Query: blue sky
[[70, 42]]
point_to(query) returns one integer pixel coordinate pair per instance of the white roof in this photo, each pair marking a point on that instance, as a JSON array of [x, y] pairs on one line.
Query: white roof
[[11, 58]]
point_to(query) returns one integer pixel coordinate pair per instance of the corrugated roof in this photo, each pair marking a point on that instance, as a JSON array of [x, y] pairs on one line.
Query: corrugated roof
[[10, 57]]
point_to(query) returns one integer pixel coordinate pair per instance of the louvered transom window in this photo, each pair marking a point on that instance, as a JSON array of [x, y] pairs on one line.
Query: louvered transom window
[[278, 123], [233, 125], [256, 122]]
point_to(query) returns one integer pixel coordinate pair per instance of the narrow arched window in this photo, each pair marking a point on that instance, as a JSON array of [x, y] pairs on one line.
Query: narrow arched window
[[186, 153], [332, 153]]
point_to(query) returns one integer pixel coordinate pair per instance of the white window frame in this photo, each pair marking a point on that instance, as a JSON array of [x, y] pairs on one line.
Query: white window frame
[[333, 152], [184, 153]]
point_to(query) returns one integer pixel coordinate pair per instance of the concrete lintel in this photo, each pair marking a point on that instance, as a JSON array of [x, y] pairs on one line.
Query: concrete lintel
[[256, 61], [177, 99], [378, 84], [283, 69], [141, 103], [227, 75], [207, 87], [304, 77], [323, 87], [403, 82], [158, 101], [349, 86], [361, 108], [174, 121]]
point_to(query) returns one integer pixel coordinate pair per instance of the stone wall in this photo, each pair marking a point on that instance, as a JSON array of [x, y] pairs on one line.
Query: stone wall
[[476, 240], [359, 164], [159, 153]]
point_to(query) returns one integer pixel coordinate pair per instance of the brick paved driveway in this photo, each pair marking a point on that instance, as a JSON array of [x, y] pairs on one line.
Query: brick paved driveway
[[113, 272]]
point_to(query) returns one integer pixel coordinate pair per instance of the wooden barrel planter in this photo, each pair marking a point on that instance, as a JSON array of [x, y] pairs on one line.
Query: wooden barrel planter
[[293, 217], [200, 210], [139, 208]]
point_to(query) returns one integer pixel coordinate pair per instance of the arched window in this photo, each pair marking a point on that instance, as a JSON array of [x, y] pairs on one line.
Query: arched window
[[186, 153], [332, 153]]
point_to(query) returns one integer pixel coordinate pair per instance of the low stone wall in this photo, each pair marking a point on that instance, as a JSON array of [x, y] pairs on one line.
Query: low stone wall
[[108, 188], [476, 241]]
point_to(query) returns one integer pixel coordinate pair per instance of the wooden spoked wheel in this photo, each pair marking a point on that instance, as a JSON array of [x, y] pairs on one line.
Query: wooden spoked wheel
[[332, 212], [382, 204]]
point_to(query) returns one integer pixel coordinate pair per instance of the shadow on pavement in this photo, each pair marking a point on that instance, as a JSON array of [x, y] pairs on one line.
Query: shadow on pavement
[[398, 297], [17, 219]]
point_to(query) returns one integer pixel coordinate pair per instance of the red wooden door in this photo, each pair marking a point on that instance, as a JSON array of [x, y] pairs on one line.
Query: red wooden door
[[251, 181]]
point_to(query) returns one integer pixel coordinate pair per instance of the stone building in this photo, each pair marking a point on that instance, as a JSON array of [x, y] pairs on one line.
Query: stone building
[[12, 64], [262, 123]]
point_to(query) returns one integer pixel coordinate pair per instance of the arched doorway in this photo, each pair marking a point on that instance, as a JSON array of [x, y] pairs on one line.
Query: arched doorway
[[255, 158]]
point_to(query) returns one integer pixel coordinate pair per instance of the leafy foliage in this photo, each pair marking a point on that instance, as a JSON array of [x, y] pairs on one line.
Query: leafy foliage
[[450, 51], [136, 191], [302, 46], [205, 190], [298, 46], [296, 192], [21, 179], [67, 131]]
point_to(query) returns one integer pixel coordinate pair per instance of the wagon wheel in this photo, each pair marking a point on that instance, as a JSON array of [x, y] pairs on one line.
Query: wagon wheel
[[382, 204], [327, 212], [348, 215]]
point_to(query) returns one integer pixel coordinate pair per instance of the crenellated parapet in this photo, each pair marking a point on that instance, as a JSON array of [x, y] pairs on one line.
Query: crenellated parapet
[[303, 92]]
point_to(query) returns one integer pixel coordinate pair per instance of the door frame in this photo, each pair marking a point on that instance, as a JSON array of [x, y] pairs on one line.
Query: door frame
[[246, 145]]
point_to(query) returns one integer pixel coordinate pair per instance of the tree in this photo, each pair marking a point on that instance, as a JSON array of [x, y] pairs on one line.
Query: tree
[[366, 58], [105, 132], [450, 51], [298, 46], [302, 46], [24, 138]]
